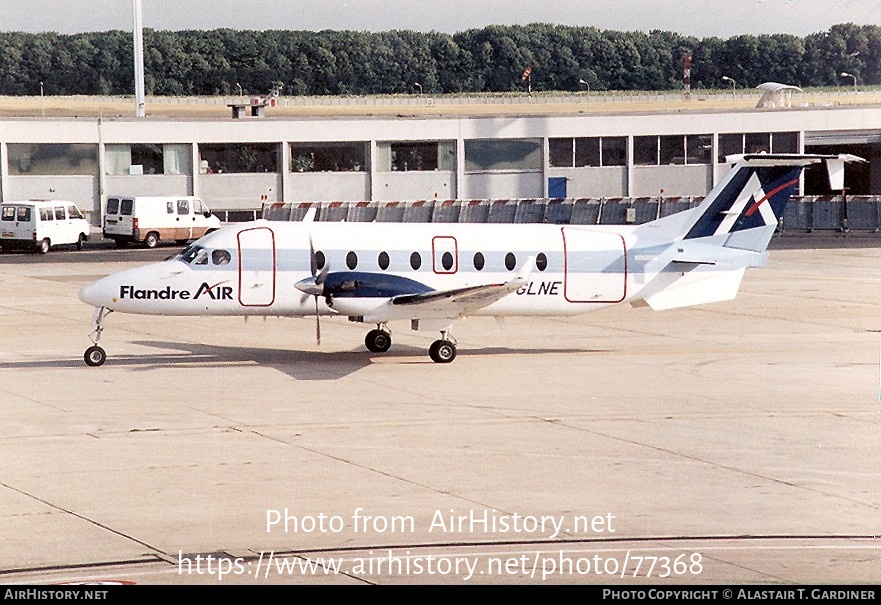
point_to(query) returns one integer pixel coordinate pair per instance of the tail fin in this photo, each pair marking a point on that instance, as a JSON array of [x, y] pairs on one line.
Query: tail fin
[[743, 210], [750, 197], [712, 245]]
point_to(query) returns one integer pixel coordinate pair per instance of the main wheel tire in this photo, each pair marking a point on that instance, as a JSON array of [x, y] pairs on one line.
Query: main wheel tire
[[152, 240], [43, 246], [94, 356], [378, 341], [442, 351]]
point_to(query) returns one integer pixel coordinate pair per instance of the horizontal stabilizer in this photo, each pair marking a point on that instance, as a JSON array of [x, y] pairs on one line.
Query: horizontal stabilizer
[[790, 159], [693, 252], [696, 287]]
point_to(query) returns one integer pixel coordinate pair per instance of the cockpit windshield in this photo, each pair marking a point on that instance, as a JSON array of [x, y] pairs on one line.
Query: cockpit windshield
[[199, 255], [194, 253]]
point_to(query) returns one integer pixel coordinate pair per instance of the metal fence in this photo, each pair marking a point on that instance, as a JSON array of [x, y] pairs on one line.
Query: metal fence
[[741, 97], [803, 214], [811, 96]]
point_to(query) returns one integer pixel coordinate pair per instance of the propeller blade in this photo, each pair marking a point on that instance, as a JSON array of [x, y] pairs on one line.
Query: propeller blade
[[317, 324], [315, 286], [312, 263]]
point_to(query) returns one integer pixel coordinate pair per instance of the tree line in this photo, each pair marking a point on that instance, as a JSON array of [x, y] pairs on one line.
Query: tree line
[[489, 59]]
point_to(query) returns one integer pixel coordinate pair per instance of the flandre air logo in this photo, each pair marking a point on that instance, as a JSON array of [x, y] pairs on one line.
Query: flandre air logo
[[215, 292]]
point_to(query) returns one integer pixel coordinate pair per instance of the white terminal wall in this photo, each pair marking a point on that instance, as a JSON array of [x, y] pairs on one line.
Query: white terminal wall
[[249, 191]]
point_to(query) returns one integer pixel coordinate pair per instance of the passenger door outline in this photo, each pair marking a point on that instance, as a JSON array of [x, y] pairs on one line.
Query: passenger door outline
[[594, 266], [257, 267]]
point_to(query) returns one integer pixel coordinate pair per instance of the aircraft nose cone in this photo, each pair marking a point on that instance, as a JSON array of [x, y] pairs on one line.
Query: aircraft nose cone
[[93, 294]]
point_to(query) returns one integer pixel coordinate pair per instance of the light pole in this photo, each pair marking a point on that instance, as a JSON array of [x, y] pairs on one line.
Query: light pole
[[241, 92], [584, 83], [733, 88], [419, 86], [138, 28], [42, 105], [844, 74]]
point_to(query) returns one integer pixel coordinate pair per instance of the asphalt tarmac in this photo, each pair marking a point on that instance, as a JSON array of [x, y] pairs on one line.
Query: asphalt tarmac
[[731, 443]]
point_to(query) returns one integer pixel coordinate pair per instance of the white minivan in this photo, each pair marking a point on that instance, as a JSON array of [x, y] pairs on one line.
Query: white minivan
[[149, 220], [41, 224]]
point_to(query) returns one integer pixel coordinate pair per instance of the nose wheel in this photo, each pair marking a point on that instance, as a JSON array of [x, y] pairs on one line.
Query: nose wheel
[[95, 355]]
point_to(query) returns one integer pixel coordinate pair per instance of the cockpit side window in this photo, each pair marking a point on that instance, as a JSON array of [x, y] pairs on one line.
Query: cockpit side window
[[220, 257]]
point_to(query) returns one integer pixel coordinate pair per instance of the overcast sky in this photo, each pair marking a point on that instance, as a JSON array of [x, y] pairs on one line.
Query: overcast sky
[[701, 18]]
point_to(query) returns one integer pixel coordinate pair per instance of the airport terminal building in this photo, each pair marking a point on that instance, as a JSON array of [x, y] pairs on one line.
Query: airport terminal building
[[236, 165]]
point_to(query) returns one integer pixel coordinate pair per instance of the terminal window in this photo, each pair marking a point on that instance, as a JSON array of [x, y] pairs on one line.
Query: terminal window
[[406, 156], [328, 157], [237, 158], [675, 149], [52, 159], [140, 158], [756, 142], [583, 152], [698, 149], [503, 154], [645, 151], [580, 152], [614, 151]]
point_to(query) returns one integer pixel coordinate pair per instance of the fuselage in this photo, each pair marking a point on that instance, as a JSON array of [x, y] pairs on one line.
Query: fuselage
[[253, 268]]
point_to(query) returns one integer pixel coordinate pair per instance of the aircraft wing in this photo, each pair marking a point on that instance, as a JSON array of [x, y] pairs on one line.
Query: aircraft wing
[[407, 299], [461, 301]]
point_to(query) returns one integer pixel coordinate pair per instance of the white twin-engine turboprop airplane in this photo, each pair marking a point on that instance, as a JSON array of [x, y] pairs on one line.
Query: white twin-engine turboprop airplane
[[432, 274]]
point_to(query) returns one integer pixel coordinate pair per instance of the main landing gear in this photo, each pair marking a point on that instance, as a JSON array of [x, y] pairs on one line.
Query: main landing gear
[[95, 355], [440, 351], [443, 350], [378, 340]]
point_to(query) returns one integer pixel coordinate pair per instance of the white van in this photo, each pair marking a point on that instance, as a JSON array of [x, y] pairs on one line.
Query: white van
[[148, 220], [41, 224]]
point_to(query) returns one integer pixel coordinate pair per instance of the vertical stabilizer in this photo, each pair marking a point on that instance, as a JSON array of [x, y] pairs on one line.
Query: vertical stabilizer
[[744, 208], [709, 247]]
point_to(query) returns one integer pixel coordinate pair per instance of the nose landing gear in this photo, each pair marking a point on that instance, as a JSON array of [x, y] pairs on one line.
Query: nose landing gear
[[95, 355]]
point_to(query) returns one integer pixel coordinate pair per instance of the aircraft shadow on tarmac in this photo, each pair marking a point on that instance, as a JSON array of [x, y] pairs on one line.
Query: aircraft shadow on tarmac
[[300, 365], [311, 365]]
